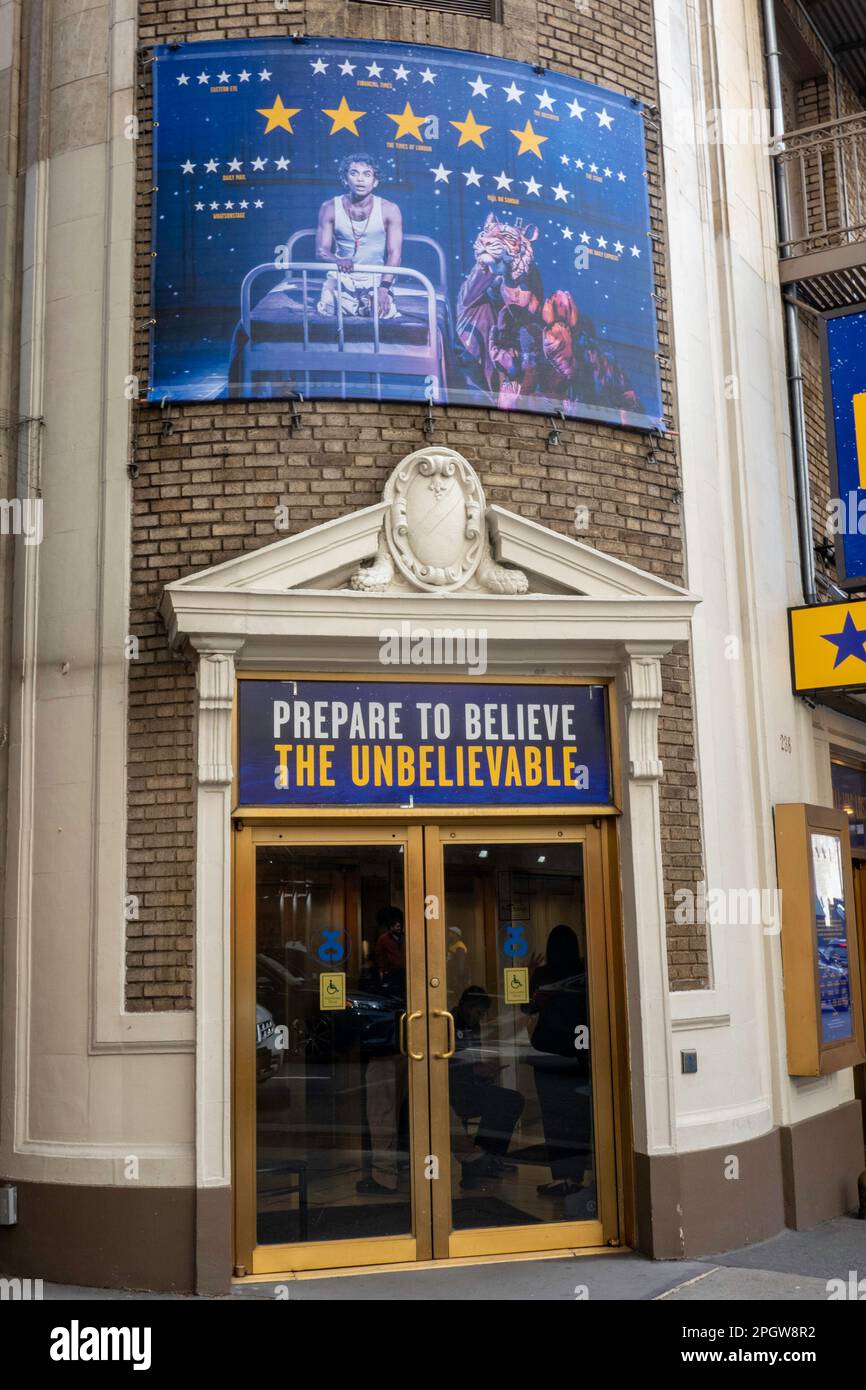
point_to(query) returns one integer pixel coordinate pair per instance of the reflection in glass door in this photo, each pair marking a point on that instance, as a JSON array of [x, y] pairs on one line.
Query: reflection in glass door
[[330, 1124], [523, 1085]]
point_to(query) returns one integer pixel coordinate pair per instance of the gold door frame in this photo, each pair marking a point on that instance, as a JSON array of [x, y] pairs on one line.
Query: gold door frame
[[428, 1075], [251, 1258], [563, 1235]]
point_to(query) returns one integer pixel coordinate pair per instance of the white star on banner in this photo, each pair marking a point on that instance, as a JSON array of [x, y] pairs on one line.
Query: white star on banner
[[618, 247], [203, 78], [584, 236], [560, 194], [259, 163], [472, 178], [608, 173], [532, 188], [401, 73], [578, 164], [281, 163], [211, 166], [621, 176], [602, 244], [373, 70], [347, 69], [199, 207], [183, 80], [513, 92], [575, 109], [545, 101], [224, 78], [441, 173], [593, 168], [480, 88], [319, 66], [229, 207], [605, 122], [258, 203], [635, 251], [214, 207], [563, 159], [188, 167], [429, 76], [244, 76], [264, 75], [503, 181], [243, 204], [567, 233], [235, 165]]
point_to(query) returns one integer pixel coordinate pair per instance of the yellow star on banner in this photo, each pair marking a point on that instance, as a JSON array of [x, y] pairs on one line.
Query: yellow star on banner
[[343, 118], [470, 131], [279, 116], [408, 123], [529, 140]]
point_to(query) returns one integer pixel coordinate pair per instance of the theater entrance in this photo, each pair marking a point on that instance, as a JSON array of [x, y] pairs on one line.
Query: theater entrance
[[427, 1041]]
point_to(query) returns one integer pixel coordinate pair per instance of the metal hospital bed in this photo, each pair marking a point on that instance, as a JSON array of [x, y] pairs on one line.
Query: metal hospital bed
[[283, 339]]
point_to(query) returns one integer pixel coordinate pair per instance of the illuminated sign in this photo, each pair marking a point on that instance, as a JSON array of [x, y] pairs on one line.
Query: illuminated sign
[[346, 743], [828, 646], [843, 341], [354, 219]]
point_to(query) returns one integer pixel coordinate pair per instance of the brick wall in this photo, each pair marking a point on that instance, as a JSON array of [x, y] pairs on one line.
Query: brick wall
[[207, 491]]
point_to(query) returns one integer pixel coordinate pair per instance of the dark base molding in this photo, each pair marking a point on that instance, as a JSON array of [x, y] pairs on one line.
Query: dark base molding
[[108, 1237], [690, 1204]]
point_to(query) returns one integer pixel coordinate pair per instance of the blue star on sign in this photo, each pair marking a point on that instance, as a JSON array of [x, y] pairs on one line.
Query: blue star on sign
[[849, 642]]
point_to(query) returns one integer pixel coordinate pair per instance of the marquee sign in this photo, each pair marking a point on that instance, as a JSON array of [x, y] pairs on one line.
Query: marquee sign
[[354, 219], [415, 743], [828, 646], [843, 341]]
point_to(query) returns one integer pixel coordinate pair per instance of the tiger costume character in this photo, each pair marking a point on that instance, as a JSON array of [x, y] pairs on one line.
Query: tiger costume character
[[517, 343]]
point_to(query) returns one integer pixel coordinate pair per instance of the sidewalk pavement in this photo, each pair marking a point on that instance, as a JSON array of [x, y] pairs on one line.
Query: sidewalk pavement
[[792, 1267]]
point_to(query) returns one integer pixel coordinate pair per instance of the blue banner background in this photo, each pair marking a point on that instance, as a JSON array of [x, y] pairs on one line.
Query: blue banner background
[[228, 194], [258, 761], [846, 364]]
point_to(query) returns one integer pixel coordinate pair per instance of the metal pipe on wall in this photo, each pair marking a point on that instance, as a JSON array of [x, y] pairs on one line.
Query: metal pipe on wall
[[792, 322]]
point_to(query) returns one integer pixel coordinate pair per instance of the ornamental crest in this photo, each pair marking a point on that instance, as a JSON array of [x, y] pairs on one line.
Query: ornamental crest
[[435, 530]]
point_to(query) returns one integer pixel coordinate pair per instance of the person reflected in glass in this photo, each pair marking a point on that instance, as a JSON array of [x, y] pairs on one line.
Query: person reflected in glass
[[476, 1094], [385, 1076], [558, 1028]]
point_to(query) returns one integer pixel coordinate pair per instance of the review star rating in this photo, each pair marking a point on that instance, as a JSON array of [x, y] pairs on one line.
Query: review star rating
[[343, 118], [470, 131], [407, 123], [529, 140], [279, 117]]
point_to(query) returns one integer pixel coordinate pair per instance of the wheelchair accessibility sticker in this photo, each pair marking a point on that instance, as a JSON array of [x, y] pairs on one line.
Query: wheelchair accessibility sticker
[[332, 990]]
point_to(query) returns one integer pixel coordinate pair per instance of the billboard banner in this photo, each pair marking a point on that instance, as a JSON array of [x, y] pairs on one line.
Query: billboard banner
[[419, 743], [358, 220], [843, 341]]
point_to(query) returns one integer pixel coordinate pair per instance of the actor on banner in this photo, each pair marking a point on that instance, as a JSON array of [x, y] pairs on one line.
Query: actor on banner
[[359, 228]]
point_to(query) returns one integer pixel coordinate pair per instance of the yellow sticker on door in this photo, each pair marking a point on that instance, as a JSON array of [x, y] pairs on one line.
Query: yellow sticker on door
[[516, 984], [332, 990]]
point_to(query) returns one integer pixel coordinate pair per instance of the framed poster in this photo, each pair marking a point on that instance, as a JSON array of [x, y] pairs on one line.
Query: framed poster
[[369, 221], [823, 1012], [843, 356]]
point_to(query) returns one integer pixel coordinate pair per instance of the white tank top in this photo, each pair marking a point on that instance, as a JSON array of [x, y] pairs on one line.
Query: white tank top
[[371, 237]]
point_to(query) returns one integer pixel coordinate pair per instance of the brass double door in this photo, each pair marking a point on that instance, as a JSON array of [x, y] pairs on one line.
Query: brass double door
[[425, 1048]]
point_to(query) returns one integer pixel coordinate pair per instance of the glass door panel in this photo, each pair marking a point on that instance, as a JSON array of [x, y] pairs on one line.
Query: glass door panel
[[517, 1084], [331, 1113]]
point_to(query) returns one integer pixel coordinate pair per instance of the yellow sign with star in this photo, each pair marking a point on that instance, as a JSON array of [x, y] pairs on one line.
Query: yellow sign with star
[[828, 646]]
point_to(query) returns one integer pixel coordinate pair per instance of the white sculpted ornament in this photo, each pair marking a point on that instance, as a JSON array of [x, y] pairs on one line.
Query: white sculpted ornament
[[435, 532]]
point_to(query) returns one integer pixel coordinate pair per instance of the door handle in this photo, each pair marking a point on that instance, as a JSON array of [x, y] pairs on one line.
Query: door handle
[[405, 1020], [452, 1034]]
